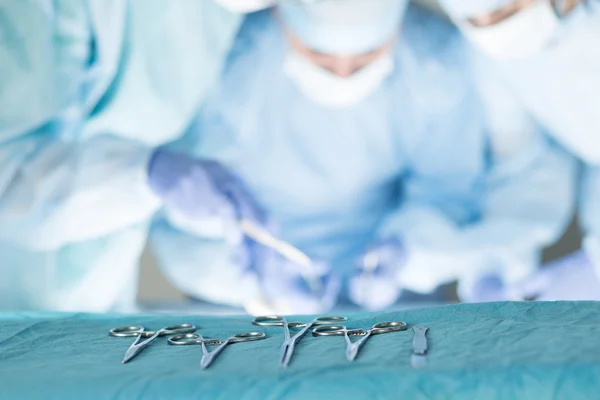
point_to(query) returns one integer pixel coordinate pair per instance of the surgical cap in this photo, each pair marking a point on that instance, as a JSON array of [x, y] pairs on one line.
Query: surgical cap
[[471, 8], [245, 6], [343, 26]]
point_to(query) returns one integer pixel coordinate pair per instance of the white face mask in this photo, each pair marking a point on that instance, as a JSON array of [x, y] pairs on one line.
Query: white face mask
[[521, 35], [246, 6], [330, 90]]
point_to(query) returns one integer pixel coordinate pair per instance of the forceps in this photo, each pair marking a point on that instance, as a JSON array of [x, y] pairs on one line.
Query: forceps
[[139, 332], [352, 349], [209, 356], [289, 343]]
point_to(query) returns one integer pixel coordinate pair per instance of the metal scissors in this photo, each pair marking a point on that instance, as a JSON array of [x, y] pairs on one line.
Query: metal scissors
[[139, 332], [209, 356], [289, 342], [352, 349]]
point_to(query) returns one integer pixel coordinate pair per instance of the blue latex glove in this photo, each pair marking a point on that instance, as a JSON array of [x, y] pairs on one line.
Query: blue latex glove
[[375, 286], [570, 278], [487, 288], [284, 289], [200, 189]]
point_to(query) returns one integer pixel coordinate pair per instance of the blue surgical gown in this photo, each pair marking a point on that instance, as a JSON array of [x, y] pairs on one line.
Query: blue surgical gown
[[87, 90], [560, 87], [416, 159]]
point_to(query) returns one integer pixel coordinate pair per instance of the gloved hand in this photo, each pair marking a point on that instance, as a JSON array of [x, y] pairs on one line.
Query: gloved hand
[[487, 288], [375, 286], [198, 189], [285, 290], [571, 278]]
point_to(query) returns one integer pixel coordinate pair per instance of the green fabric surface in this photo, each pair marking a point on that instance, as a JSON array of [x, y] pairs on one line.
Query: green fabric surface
[[485, 351]]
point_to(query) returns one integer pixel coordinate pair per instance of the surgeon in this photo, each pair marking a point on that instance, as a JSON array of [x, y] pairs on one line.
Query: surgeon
[[355, 129], [88, 91], [545, 52]]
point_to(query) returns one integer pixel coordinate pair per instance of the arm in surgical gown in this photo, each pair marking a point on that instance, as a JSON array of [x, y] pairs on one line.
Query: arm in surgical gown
[[87, 90], [561, 87]]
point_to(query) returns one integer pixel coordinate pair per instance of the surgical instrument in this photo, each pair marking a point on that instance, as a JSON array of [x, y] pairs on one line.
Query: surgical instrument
[[289, 342], [352, 348], [419, 347], [291, 253], [209, 356], [139, 332]]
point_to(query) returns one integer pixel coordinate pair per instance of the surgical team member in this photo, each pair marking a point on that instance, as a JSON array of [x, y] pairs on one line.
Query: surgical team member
[[546, 52], [357, 130], [88, 90]]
